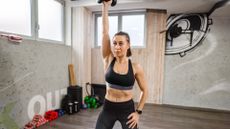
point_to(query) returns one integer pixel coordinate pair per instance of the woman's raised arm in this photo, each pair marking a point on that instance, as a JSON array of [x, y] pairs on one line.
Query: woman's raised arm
[[105, 48]]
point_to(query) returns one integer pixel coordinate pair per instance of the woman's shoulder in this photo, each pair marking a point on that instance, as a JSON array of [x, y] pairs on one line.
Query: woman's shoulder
[[136, 67]]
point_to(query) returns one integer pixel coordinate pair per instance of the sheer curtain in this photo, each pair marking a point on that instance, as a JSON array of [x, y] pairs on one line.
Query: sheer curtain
[[156, 21], [152, 56]]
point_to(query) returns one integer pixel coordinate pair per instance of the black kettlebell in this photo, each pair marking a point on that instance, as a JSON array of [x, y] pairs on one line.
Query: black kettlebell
[[114, 2]]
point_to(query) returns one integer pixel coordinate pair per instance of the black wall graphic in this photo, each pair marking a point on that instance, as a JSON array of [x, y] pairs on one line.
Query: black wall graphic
[[185, 31]]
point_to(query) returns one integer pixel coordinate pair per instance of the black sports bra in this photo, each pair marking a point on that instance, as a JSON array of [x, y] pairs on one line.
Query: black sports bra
[[120, 81]]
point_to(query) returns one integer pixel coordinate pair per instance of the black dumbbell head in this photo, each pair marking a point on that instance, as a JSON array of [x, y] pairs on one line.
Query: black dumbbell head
[[114, 3], [99, 1]]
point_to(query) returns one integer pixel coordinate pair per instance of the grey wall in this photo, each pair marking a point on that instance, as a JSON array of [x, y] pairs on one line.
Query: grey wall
[[202, 77], [33, 79]]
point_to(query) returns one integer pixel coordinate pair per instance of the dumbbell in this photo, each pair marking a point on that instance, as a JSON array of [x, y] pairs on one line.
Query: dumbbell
[[114, 2]]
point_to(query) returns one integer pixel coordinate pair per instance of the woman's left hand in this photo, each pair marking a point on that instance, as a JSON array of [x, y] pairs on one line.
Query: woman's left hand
[[133, 119]]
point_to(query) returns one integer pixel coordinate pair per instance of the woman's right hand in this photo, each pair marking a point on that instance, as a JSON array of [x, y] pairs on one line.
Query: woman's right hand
[[107, 2]]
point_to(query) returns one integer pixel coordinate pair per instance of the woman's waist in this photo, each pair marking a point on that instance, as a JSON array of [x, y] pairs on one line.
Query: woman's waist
[[115, 95], [123, 106], [115, 99], [119, 86]]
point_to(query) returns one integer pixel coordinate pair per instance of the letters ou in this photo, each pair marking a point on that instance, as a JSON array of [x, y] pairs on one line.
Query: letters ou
[[45, 104]]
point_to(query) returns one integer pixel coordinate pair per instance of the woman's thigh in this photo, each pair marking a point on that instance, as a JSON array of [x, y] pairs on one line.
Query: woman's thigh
[[106, 120], [123, 119]]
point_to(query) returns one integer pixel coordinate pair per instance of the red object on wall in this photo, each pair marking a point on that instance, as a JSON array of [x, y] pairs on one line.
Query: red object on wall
[[11, 37]]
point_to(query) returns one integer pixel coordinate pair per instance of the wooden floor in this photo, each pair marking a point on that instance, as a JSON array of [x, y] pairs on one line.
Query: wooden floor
[[153, 117]]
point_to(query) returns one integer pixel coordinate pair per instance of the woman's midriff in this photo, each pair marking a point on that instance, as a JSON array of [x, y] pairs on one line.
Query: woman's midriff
[[115, 95]]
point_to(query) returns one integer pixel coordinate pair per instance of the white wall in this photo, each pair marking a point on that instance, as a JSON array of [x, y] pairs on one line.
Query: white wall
[[202, 77]]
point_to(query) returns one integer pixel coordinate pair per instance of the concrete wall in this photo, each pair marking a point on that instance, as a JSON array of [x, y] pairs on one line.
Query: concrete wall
[[202, 77], [33, 79]]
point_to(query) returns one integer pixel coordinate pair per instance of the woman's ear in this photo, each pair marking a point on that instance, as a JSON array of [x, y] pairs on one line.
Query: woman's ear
[[128, 45]]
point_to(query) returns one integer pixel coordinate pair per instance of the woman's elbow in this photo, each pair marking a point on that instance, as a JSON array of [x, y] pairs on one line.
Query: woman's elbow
[[145, 92]]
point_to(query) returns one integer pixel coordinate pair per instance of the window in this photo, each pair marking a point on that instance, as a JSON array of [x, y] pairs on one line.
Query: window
[[113, 24], [132, 23], [15, 17], [50, 15], [38, 19]]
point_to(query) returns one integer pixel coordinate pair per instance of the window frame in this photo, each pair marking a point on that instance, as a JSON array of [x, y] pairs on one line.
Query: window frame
[[96, 27], [35, 25], [120, 14], [62, 27], [31, 19]]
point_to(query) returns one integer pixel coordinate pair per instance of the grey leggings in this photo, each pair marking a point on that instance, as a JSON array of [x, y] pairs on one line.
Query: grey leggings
[[113, 111]]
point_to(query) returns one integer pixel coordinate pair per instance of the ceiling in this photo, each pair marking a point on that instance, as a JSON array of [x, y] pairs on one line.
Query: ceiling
[[172, 6]]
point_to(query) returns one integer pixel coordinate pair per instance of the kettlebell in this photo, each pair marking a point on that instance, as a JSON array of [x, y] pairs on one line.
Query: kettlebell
[[114, 2]]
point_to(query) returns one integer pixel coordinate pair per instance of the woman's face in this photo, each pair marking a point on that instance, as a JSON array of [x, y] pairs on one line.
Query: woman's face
[[120, 45]]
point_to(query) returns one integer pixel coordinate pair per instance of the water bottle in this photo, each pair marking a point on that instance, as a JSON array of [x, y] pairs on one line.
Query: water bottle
[[70, 108], [76, 106]]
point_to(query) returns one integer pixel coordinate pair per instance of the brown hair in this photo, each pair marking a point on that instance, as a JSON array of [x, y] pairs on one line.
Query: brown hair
[[129, 53]]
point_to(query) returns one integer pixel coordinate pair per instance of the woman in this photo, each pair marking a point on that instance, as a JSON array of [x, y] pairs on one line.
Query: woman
[[120, 75]]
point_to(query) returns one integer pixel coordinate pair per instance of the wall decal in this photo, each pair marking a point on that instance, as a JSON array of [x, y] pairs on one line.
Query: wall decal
[[187, 31]]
